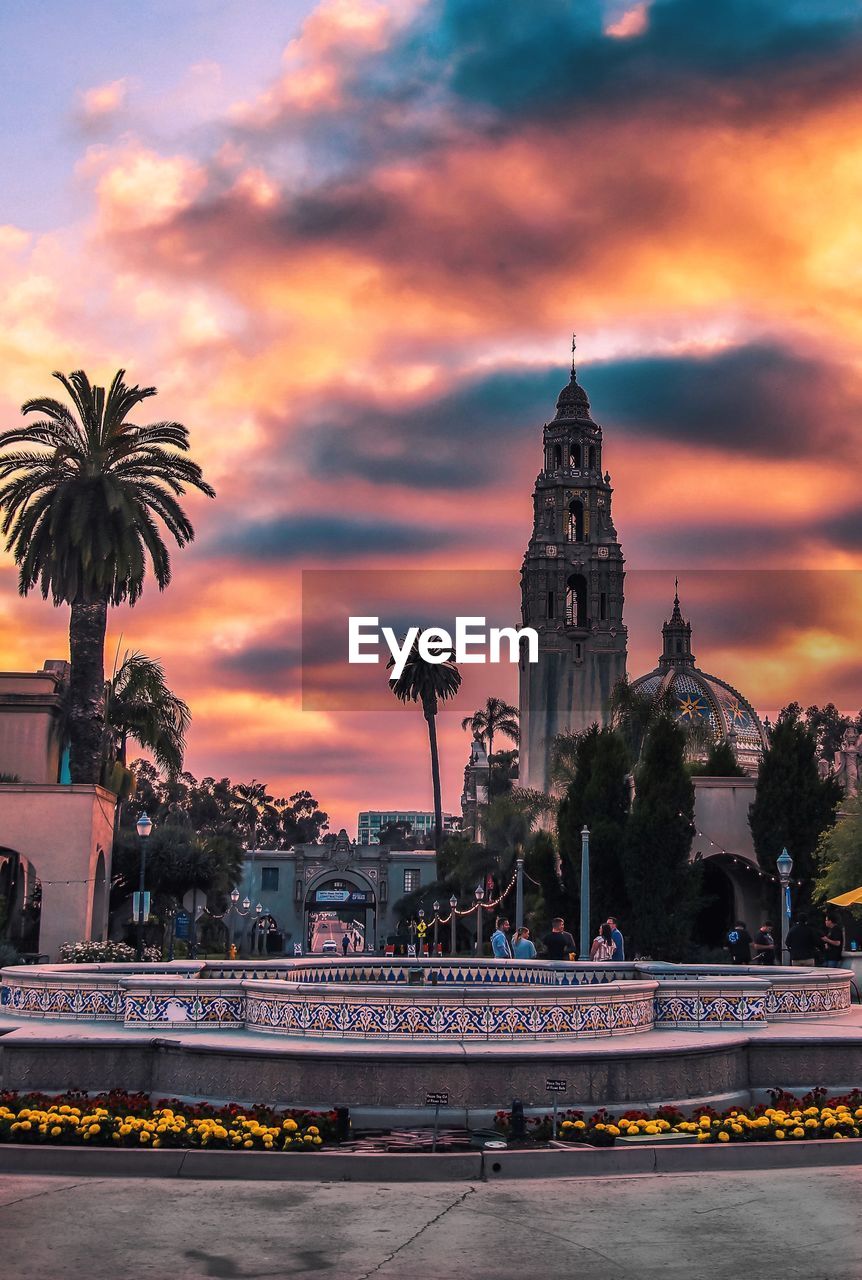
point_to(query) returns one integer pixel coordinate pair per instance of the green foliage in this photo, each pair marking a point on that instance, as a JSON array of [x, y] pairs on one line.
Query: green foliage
[[598, 798], [139, 705], [839, 853], [828, 726], [542, 864], [209, 807], [428, 683], [719, 763], [793, 805], [663, 886], [80, 493], [495, 717]]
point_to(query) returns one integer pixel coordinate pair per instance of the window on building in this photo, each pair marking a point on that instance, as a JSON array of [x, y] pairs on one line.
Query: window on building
[[411, 879], [603, 606], [269, 879], [579, 522], [558, 457], [576, 601], [551, 604]]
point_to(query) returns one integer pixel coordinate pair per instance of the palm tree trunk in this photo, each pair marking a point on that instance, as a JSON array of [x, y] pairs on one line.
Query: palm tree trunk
[[435, 781], [87, 627]]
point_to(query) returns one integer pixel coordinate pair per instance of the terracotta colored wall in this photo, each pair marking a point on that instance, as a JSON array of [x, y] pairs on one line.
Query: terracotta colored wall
[[62, 829]]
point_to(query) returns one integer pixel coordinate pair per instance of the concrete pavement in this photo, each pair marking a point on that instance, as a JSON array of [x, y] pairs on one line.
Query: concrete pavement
[[777, 1225]]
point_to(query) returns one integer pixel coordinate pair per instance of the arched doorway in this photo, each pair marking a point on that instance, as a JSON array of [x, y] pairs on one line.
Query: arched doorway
[[340, 905], [719, 909], [100, 900], [20, 902]]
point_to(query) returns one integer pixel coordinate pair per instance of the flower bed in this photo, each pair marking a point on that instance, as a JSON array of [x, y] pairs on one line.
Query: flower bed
[[788, 1119], [90, 952], [120, 1119]]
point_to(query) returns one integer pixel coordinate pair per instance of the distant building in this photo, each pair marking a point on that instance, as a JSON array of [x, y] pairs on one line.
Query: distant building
[[371, 821], [360, 883], [474, 797]]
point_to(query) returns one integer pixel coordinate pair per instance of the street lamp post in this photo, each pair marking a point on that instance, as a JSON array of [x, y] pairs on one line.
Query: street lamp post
[[519, 893], [453, 903], [144, 827], [420, 949], [585, 893], [480, 894], [246, 908], [256, 930], [231, 938], [436, 905], [785, 865]]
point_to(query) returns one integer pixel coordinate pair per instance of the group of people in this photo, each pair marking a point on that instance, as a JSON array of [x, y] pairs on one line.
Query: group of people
[[808, 945], [559, 944]]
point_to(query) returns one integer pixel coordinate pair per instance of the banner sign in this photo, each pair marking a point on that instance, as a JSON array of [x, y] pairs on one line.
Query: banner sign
[[344, 897], [183, 925]]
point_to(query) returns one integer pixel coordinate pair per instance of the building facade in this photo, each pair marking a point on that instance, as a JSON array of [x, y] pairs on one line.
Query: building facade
[[360, 884], [421, 822], [571, 589]]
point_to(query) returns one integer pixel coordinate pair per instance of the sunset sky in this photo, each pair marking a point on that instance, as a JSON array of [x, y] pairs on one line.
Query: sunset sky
[[349, 242]]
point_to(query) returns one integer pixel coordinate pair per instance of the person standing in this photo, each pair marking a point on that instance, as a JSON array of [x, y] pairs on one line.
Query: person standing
[[764, 945], [602, 949], [833, 943], [523, 947], [739, 943], [345, 943], [618, 939], [559, 943], [802, 943], [500, 945]]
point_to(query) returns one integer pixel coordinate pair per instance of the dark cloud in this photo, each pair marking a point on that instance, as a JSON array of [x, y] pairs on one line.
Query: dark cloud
[[538, 58], [454, 441], [759, 400], [762, 399], [292, 538]]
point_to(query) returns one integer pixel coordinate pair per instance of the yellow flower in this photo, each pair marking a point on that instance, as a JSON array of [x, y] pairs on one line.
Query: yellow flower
[[116, 1137], [839, 1135], [724, 1136], [705, 1122], [612, 1128], [313, 1130], [580, 1124], [317, 1141], [144, 1136], [94, 1128], [248, 1143], [220, 1132], [56, 1131], [798, 1132], [811, 1124], [290, 1125], [779, 1133], [651, 1128], [307, 1138], [810, 1111], [703, 1137], [157, 1142]]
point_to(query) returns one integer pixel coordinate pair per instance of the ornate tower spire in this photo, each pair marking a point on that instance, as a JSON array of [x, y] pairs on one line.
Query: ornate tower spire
[[571, 587], [676, 637]]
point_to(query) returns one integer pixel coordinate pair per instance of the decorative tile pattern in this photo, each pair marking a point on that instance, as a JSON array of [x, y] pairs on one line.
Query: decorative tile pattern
[[469, 1020], [804, 1001], [209, 1010], [85, 1003], [712, 1008]]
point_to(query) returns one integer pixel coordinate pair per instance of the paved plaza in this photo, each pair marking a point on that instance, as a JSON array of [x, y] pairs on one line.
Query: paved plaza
[[773, 1224]]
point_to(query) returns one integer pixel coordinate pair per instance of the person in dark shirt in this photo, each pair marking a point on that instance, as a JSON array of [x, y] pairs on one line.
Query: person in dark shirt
[[833, 943], [764, 945], [559, 944], [739, 943], [802, 943]]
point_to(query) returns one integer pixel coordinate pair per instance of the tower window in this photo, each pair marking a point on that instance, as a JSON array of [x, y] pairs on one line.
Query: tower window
[[558, 457], [579, 522], [578, 653], [551, 605], [592, 457], [576, 601], [679, 646], [575, 457], [603, 606]]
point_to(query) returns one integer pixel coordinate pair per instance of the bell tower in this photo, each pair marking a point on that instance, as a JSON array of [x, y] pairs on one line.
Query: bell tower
[[571, 588]]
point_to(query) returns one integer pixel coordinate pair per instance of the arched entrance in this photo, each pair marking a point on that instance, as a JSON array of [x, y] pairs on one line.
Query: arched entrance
[[20, 902], [338, 905]]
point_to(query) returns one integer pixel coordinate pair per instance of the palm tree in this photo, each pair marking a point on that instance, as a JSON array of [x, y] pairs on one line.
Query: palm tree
[[254, 807], [139, 705], [495, 717], [84, 495], [429, 683]]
